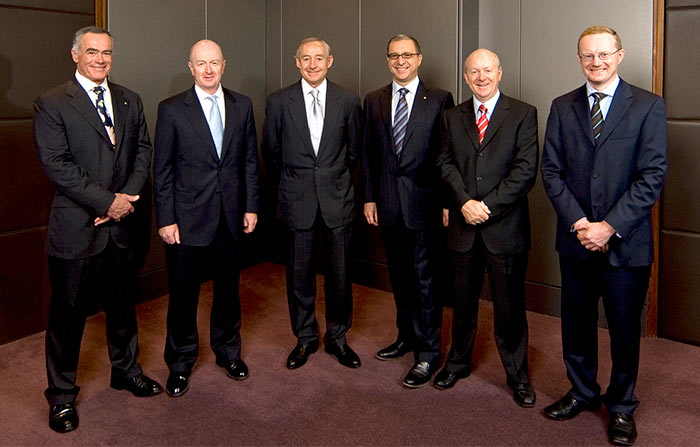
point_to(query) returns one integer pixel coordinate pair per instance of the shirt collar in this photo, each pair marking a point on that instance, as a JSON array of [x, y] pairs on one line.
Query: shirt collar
[[490, 104], [202, 95], [609, 90], [87, 84], [306, 87], [412, 86]]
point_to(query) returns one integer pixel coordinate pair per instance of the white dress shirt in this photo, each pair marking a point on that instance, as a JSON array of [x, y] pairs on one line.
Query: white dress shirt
[[490, 105], [412, 87], [88, 85], [315, 125], [605, 102], [206, 104]]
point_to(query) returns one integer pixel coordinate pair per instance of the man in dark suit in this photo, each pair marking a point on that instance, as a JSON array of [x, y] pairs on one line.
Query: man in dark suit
[[402, 139], [312, 134], [205, 181], [93, 144], [489, 164], [603, 167]]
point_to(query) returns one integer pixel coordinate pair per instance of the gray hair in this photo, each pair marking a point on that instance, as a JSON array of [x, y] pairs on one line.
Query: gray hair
[[313, 39], [78, 36], [399, 37]]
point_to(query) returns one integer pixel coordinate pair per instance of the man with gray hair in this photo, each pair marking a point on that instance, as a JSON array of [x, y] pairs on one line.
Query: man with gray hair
[[93, 144]]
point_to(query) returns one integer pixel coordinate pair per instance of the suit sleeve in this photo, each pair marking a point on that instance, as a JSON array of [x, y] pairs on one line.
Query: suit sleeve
[[523, 169], [252, 181], [554, 172], [272, 138], [139, 174], [435, 148], [355, 132], [650, 169], [366, 168], [164, 168], [56, 158], [447, 167]]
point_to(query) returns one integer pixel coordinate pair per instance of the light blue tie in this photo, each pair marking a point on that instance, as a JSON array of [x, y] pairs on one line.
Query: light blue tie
[[216, 125]]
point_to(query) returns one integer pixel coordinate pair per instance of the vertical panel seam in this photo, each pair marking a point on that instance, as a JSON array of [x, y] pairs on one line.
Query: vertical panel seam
[[359, 47], [206, 19], [460, 38]]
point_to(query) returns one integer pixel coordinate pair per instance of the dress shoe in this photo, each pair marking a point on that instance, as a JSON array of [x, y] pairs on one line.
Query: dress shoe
[[445, 379], [622, 430], [236, 369], [177, 384], [567, 407], [393, 351], [345, 355], [419, 375], [299, 355], [523, 394], [139, 386], [63, 418]]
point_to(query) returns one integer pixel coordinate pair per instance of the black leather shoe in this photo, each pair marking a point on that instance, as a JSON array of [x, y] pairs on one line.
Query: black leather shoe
[[445, 379], [63, 418], [345, 355], [299, 355], [177, 385], [236, 369], [622, 430], [393, 351], [419, 375], [567, 407], [139, 386], [524, 394]]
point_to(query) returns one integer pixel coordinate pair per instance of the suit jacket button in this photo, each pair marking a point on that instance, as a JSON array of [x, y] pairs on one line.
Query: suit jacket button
[[595, 175], [478, 178]]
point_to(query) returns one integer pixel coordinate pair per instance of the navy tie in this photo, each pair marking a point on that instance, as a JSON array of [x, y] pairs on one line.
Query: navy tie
[[597, 114]]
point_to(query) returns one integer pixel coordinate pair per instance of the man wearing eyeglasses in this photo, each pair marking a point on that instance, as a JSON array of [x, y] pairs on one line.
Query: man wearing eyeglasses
[[603, 167], [401, 142], [488, 164]]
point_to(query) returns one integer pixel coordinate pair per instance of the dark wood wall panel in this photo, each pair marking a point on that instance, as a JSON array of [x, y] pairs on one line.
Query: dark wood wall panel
[[682, 63], [682, 188], [86, 7], [679, 287], [682, 3], [26, 193]]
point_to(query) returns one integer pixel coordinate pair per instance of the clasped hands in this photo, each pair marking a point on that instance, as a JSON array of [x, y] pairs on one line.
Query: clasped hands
[[475, 212], [594, 236], [119, 209]]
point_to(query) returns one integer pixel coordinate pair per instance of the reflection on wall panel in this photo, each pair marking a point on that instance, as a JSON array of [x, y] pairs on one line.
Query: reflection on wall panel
[[682, 64], [682, 179]]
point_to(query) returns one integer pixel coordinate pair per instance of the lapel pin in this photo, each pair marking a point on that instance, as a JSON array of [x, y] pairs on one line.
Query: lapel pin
[[425, 97], [126, 103]]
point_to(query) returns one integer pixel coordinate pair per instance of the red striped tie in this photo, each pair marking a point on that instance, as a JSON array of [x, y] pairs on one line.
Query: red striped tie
[[482, 123]]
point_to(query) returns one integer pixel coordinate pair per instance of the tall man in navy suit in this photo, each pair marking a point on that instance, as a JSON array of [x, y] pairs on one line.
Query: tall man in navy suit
[[489, 164], [603, 168], [205, 181], [93, 144], [401, 143], [311, 138]]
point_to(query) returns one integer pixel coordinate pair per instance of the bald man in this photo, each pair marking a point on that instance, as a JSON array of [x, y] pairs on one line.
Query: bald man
[[488, 164], [205, 181]]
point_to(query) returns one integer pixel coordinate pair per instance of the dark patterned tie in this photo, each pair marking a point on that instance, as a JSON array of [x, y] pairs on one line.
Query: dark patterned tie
[[400, 121], [597, 114], [99, 91]]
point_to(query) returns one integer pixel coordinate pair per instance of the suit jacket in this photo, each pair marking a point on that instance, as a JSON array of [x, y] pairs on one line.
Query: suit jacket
[[407, 182], [79, 159], [191, 184], [307, 181], [617, 180], [500, 172]]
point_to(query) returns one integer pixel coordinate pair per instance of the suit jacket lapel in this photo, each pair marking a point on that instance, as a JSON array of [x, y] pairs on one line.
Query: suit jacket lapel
[[82, 103], [497, 117], [120, 106], [583, 113], [621, 102], [194, 113], [298, 109], [330, 114], [385, 112], [231, 118], [469, 121], [420, 103]]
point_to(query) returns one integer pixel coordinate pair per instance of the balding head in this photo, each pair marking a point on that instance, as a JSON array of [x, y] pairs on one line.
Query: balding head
[[482, 71], [207, 65]]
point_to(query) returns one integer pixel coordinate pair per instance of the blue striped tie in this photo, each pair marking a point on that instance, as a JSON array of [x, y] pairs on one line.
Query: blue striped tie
[[400, 121], [597, 114]]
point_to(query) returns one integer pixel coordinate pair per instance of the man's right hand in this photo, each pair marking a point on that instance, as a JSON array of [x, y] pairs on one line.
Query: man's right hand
[[121, 206], [170, 234], [475, 212], [371, 213]]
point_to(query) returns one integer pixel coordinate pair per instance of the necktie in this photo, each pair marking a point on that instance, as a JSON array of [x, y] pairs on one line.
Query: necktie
[[482, 123], [100, 104], [316, 120], [216, 125], [400, 121], [597, 114]]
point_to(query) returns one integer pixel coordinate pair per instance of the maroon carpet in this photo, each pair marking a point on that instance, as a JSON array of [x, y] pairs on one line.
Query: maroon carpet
[[324, 403]]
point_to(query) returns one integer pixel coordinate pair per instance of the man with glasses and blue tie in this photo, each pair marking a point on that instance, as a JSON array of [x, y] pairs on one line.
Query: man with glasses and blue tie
[[205, 182], [400, 194], [93, 144], [603, 167]]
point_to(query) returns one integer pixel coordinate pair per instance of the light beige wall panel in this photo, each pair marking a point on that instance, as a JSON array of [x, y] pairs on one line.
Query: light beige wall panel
[[499, 31]]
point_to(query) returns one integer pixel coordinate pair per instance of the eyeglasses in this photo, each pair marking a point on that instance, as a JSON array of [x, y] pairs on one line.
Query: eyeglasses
[[404, 56], [604, 56]]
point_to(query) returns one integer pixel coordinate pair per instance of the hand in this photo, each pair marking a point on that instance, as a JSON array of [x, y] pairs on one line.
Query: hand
[[121, 206], [102, 219], [445, 217], [475, 212], [371, 213], [250, 220], [170, 234], [594, 236]]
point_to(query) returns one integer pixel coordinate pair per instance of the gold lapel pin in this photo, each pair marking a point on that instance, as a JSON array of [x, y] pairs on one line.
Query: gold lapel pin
[[425, 97], [126, 103]]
